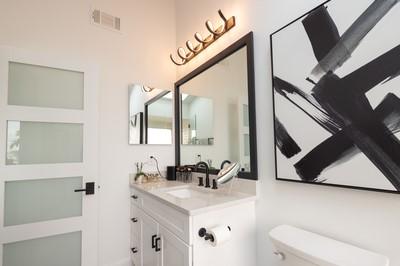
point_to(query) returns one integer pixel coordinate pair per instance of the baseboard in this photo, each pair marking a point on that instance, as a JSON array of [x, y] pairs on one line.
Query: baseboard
[[124, 262]]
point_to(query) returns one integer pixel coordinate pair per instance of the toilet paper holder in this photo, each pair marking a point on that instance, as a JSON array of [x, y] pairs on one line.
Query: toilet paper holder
[[208, 237]]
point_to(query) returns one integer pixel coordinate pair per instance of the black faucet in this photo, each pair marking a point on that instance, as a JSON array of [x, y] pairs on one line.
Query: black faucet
[[205, 165]]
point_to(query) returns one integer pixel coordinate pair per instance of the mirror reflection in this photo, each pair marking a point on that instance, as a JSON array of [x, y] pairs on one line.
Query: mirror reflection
[[197, 120], [150, 115], [215, 116]]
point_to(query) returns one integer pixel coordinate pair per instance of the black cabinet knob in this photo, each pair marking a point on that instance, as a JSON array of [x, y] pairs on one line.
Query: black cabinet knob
[[134, 220], [134, 197], [134, 250]]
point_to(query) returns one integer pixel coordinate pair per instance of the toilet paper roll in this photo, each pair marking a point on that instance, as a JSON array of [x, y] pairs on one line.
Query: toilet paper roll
[[221, 234]]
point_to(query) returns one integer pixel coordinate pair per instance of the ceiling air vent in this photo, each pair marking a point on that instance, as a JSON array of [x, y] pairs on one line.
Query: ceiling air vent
[[106, 20]]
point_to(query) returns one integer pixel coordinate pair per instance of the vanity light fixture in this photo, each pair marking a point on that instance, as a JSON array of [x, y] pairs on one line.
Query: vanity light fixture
[[202, 43]]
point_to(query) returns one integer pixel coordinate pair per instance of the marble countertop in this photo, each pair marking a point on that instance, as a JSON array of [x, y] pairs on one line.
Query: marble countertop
[[201, 199]]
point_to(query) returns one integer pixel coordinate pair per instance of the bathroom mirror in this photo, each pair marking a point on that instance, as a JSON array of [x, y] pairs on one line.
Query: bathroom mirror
[[150, 115], [215, 111]]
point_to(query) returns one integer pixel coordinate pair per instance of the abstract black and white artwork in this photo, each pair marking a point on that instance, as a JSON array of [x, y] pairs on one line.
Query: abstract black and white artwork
[[336, 88]]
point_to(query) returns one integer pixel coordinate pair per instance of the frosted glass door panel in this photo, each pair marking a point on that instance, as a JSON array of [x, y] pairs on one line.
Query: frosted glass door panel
[[245, 115], [246, 144], [32, 85], [59, 250], [44, 143], [41, 200]]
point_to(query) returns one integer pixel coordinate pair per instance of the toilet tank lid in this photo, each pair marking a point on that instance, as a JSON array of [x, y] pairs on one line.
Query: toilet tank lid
[[322, 250]]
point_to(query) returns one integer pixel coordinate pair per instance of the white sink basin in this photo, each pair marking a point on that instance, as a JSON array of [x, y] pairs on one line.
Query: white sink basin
[[186, 193], [183, 193]]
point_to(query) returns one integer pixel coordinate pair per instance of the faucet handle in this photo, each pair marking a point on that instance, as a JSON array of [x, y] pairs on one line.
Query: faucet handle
[[214, 185], [201, 182], [207, 182]]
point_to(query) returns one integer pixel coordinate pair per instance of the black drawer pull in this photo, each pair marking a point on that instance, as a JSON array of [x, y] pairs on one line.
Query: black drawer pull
[[157, 244], [134, 197], [153, 243], [134, 250], [134, 220]]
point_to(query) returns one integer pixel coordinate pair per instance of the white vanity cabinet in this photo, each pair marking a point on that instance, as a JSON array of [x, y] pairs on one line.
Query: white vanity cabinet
[[173, 250], [151, 243], [162, 235]]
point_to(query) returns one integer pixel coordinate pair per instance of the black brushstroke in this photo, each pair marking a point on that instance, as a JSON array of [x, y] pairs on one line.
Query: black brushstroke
[[319, 116], [385, 67], [284, 141], [339, 145], [392, 77], [389, 112], [318, 159], [340, 105], [322, 32], [311, 81], [367, 132], [352, 37]]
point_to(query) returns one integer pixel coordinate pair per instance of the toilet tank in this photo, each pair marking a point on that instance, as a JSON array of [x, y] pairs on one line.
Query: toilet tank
[[296, 247]]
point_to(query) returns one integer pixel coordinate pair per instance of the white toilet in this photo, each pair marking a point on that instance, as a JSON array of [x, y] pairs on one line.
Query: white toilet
[[296, 247]]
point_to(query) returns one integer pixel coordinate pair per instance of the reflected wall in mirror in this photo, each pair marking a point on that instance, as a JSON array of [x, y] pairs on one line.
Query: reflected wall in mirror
[[197, 120], [150, 115], [216, 114]]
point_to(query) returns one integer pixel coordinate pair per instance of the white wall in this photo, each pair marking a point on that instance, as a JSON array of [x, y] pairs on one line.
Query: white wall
[[62, 28], [367, 219]]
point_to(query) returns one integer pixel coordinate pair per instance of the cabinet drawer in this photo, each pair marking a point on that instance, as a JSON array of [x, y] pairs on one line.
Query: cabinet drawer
[[136, 246], [135, 220], [136, 198], [136, 258], [174, 251], [135, 234], [173, 220]]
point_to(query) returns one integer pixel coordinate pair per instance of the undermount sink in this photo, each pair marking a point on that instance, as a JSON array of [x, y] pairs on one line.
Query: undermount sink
[[185, 193]]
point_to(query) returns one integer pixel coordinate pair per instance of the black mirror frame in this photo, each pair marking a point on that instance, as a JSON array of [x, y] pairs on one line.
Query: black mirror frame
[[245, 41]]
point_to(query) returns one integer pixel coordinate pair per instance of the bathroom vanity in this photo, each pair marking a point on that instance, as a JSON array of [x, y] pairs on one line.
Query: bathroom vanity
[[178, 224], [166, 218]]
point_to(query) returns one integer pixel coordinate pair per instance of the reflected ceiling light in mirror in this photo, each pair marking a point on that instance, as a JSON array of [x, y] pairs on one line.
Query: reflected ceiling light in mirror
[[185, 56]]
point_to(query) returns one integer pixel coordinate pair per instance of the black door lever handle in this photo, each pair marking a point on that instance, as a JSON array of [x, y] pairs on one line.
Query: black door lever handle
[[89, 189]]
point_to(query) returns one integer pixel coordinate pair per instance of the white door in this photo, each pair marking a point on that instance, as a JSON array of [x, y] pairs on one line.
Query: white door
[[244, 135], [48, 149], [151, 242], [174, 252]]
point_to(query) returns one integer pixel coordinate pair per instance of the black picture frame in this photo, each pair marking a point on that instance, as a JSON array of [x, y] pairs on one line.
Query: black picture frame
[[248, 42], [274, 116]]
